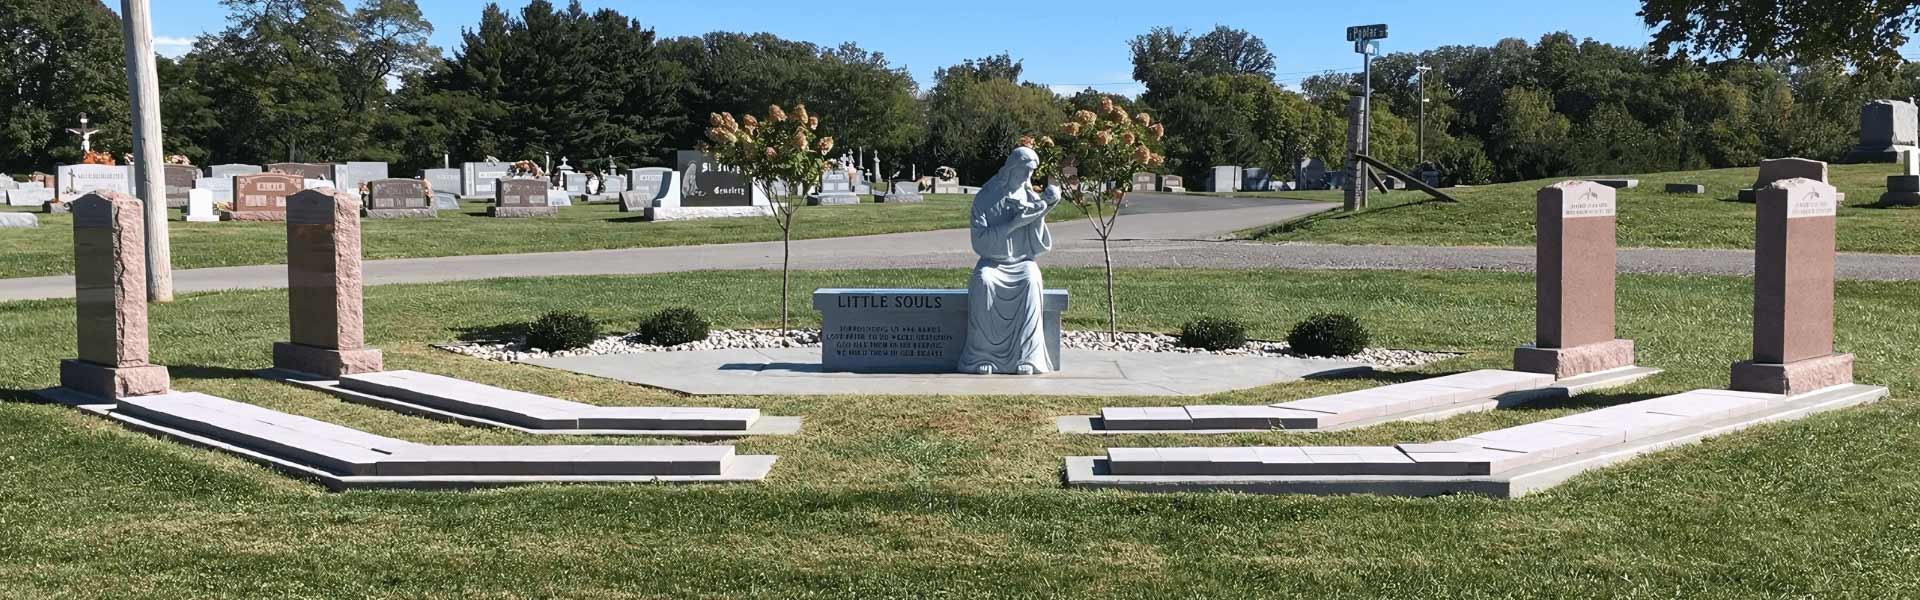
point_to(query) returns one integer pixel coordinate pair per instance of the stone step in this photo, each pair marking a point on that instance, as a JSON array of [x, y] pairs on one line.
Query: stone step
[[1327, 411], [535, 411], [349, 451], [1486, 453]]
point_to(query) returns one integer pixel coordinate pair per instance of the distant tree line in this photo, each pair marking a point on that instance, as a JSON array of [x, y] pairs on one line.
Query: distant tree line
[[317, 80]]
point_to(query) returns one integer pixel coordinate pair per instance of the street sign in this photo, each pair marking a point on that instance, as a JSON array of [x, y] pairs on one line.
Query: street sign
[[1367, 47], [1367, 32]]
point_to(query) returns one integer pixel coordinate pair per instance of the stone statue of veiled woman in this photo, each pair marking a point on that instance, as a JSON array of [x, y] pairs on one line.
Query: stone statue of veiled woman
[[1005, 333]]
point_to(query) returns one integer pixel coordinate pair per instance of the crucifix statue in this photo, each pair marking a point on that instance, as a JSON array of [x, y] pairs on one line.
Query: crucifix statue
[[85, 133]]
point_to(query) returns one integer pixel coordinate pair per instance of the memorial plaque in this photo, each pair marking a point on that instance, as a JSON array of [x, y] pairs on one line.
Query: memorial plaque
[[230, 170], [397, 198], [520, 192], [1224, 179], [1172, 183], [179, 181], [1145, 182], [397, 193], [902, 191], [32, 197], [906, 330], [706, 182], [263, 197], [220, 187], [476, 178], [442, 180], [613, 184], [575, 183], [304, 170], [521, 198], [78, 180], [352, 175], [836, 187]]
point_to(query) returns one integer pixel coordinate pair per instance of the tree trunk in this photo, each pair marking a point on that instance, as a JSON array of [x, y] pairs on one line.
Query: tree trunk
[[1113, 327], [786, 273]]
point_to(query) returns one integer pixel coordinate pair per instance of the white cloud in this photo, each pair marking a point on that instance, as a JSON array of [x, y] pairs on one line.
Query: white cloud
[[172, 46]]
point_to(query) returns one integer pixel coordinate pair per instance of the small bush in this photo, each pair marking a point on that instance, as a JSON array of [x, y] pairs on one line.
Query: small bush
[[1328, 335], [1213, 334], [562, 331], [672, 327]]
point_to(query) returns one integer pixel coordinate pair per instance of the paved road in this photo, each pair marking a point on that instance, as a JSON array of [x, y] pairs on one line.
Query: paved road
[[1162, 231], [1161, 218]]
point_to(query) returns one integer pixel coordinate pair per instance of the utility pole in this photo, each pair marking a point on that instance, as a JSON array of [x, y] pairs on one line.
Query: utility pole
[[143, 87], [1420, 88]]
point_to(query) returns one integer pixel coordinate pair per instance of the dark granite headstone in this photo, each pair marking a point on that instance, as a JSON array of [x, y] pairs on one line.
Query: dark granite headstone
[[706, 182], [397, 198], [520, 198], [179, 182]]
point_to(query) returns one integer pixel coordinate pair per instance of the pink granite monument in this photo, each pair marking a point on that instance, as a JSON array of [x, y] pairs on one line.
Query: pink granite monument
[[1793, 258], [1575, 264], [110, 298], [323, 281]]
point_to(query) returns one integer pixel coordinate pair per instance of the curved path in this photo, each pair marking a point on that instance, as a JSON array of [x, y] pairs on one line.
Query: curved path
[[1163, 231]]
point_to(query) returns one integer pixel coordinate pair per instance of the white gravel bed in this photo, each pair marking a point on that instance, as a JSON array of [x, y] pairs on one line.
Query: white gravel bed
[[721, 339]]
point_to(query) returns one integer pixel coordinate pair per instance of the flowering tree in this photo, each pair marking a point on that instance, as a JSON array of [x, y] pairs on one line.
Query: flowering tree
[[782, 148], [1093, 160]]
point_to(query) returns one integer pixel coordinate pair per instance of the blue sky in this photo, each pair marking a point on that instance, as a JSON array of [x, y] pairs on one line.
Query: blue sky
[[1307, 38]]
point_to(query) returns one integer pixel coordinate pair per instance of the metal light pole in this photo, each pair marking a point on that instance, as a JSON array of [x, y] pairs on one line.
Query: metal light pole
[[1420, 88], [143, 86]]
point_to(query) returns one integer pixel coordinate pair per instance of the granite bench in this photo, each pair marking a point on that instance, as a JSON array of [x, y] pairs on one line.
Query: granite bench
[[1489, 453], [1327, 412], [351, 452], [536, 411]]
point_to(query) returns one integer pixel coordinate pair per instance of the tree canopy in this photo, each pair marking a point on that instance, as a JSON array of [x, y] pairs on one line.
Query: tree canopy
[[336, 80]]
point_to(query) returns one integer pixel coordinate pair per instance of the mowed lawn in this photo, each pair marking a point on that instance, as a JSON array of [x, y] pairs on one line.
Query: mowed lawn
[[1502, 215], [48, 249], [960, 497]]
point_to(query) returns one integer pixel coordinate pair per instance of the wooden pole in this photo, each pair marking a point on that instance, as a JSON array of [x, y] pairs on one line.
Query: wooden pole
[[143, 88]]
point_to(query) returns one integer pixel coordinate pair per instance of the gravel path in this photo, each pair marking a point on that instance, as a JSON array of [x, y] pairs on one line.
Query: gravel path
[[728, 339]]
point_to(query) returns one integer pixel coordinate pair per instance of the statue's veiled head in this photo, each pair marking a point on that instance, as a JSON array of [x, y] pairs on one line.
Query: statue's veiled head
[[1021, 163]]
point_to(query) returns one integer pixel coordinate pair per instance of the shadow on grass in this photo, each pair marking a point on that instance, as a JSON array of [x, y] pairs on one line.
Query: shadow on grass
[[206, 372], [632, 219], [1587, 401], [499, 333], [12, 396]]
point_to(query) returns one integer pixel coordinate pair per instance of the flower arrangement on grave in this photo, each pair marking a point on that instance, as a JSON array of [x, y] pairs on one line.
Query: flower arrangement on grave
[[97, 158], [179, 159], [1092, 158], [784, 147]]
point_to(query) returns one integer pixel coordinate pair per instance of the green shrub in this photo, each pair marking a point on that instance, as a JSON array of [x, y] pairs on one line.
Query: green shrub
[[1328, 335], [672, 327], [562, 331], [1213, 334]]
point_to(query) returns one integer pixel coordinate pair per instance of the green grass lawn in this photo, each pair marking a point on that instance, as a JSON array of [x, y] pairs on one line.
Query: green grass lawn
[[1502, 215], [48, 250], [960, 497]]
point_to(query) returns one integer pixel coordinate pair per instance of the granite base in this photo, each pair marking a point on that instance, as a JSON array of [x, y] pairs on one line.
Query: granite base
[[522, 211], [1797, 377], [325, 362], [113, 382], [398, 213], [1578, 360]]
